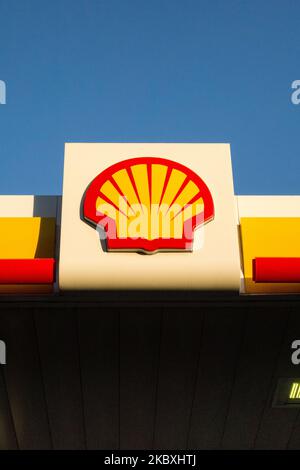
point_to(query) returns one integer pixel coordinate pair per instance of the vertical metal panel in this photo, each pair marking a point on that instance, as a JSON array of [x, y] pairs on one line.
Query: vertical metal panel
[[139, 354], [222, 335], [98, 329], [58, 345], [8, 438], [264, 331], [23, 378], [179, 352], [275, 430]]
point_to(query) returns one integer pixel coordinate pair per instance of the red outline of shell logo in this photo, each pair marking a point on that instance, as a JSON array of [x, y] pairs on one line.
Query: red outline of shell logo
[[148, 204]]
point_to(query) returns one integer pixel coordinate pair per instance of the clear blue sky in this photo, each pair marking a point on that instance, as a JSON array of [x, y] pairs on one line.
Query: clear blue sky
[[150, 71]]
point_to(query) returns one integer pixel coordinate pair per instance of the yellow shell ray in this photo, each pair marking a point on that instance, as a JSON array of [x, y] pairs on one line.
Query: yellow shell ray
[[122, 179], [176, 180], [158, 176], [140, 174]]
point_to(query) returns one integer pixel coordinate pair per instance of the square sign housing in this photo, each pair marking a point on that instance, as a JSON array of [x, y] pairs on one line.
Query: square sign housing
[[167, 175]]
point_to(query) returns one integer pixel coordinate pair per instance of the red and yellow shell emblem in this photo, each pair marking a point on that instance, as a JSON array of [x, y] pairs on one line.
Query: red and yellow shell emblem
[[148, 204]]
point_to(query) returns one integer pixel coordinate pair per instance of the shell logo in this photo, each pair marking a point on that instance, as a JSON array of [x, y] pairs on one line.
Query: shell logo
[[148, 204]]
